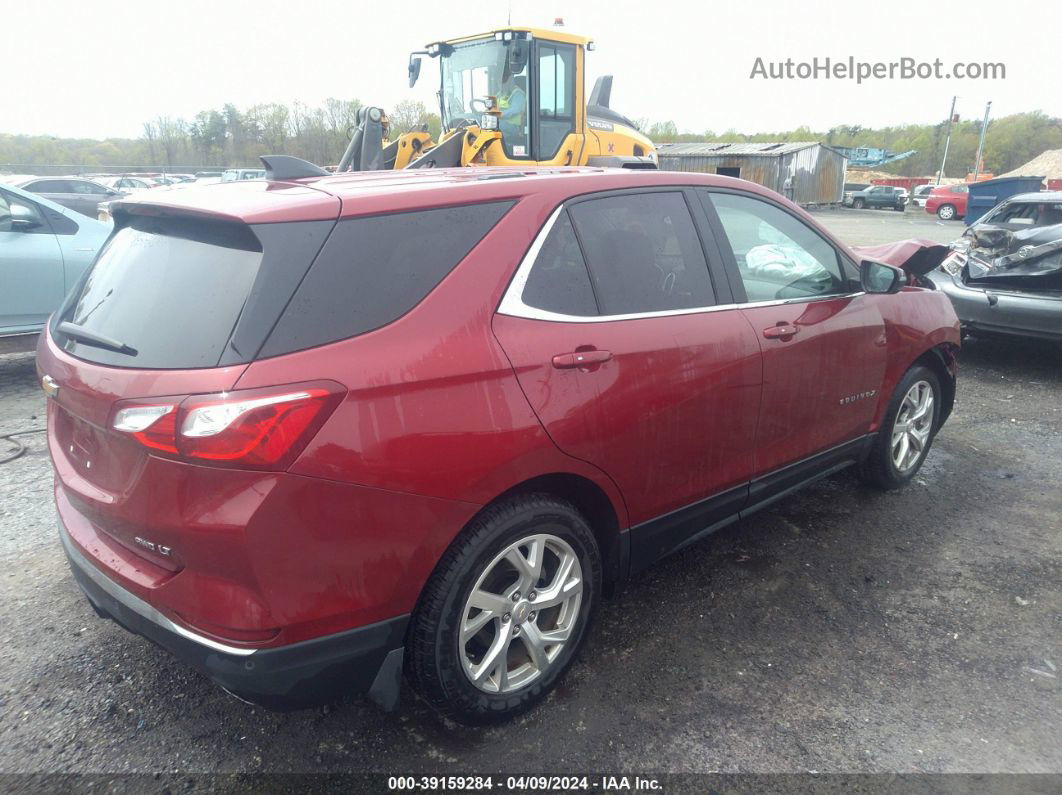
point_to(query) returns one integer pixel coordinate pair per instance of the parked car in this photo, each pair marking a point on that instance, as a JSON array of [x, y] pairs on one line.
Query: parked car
[[880, 196], [920, 194], [327, 429], [1004, 275], [127, 183], [948, 201], [237, 174], [81, 195], [44, 249]]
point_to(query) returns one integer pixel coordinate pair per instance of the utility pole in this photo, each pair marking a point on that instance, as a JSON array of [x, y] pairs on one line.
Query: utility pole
[[947, 141], [981, 145]]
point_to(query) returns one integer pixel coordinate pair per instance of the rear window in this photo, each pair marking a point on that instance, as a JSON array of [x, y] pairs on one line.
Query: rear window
[[172, 289], [187, 293], [373, 270]]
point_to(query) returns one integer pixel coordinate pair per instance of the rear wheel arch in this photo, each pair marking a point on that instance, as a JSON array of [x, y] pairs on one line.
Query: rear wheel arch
[[594, 503]]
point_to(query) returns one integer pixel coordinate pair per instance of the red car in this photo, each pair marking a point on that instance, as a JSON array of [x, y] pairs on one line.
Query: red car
[[312, 432], [948, 201]]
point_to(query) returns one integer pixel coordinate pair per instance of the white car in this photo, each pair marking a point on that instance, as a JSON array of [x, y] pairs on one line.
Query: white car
[[125, 183], [920, 194], [236, 174]]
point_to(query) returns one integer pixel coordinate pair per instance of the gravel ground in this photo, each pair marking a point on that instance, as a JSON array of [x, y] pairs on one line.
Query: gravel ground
[[840, 630], [871, 227]]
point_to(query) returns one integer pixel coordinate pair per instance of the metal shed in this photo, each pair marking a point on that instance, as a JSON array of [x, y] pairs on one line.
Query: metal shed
[[817, 170]]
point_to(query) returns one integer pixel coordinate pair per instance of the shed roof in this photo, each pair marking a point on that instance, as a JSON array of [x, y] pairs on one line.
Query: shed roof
[[719, 148]]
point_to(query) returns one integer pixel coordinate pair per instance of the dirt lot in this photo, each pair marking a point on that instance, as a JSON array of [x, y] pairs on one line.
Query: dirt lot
[[840, 630], [870, 227]]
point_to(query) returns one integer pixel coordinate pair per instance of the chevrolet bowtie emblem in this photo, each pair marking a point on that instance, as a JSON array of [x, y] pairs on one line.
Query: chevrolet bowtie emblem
[[50, 386]]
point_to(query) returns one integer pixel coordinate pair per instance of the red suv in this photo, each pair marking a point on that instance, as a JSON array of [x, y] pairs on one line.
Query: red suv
[[310, 433], [948, 201]]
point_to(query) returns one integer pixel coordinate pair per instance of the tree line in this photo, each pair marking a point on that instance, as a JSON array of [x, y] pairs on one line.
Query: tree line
[[219, 137], [230, 136]]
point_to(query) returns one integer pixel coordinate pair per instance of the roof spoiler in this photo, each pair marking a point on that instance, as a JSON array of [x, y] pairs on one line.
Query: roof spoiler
[[283, 167]]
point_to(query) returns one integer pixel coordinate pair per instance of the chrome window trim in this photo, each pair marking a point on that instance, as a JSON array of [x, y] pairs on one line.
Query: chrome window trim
[[512, 303]]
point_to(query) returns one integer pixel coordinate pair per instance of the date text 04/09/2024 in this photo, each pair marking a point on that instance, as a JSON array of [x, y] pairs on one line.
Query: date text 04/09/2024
[[523, 783]]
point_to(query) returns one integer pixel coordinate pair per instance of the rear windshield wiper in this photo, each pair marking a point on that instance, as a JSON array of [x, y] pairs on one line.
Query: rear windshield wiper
[[83, 335]]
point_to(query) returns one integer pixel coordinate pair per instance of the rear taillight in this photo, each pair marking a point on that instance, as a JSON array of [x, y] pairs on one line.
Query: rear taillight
[[254, 428], [152, 426]]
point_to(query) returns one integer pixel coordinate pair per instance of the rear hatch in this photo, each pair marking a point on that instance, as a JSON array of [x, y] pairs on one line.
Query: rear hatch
[[167, 319]]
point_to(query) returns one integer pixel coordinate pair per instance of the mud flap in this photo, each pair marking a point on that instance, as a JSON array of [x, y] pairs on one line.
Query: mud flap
[[387, 686]]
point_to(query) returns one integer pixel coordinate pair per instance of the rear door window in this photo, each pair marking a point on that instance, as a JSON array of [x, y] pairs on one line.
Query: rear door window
[[643, 252], [86, 187], [171, 289], [373, 270], [558, 281]]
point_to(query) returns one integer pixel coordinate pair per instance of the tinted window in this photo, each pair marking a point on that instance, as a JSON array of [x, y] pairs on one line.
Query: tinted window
[[170, 288], [778, 256], [48, 186], [558, 281], [373, 270], [643, 252]]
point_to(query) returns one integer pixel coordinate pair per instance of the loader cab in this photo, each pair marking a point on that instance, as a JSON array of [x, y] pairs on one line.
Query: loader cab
[[527, 84]]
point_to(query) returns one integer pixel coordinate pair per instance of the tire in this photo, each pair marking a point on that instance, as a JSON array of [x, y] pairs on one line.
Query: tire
[[442, 665], [859, 204], [946, 212], [884, 467]]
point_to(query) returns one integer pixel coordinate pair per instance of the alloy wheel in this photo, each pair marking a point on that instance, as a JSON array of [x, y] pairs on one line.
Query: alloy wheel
[[912, 426], [520, 613]]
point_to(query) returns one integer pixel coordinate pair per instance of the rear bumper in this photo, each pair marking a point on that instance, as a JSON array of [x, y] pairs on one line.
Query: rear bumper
[[362, 661]]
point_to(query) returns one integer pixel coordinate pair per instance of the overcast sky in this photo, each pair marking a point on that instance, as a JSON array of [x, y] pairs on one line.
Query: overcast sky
[[103, 67]]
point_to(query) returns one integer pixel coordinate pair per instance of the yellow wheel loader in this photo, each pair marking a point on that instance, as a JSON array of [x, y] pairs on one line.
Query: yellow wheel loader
[[514, 96]]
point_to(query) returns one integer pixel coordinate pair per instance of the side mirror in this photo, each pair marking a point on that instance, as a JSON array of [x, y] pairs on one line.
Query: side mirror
[[414, 70], [876, 277]]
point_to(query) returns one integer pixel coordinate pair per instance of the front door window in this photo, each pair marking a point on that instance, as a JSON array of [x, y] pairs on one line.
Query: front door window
[[777, 256]]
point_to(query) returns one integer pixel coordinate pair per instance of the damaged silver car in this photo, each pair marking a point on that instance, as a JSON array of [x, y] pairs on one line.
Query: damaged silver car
[[1004, 275]]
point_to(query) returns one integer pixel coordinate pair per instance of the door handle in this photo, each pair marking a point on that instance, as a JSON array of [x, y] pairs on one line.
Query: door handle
[[781, 331], [568, 361]]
